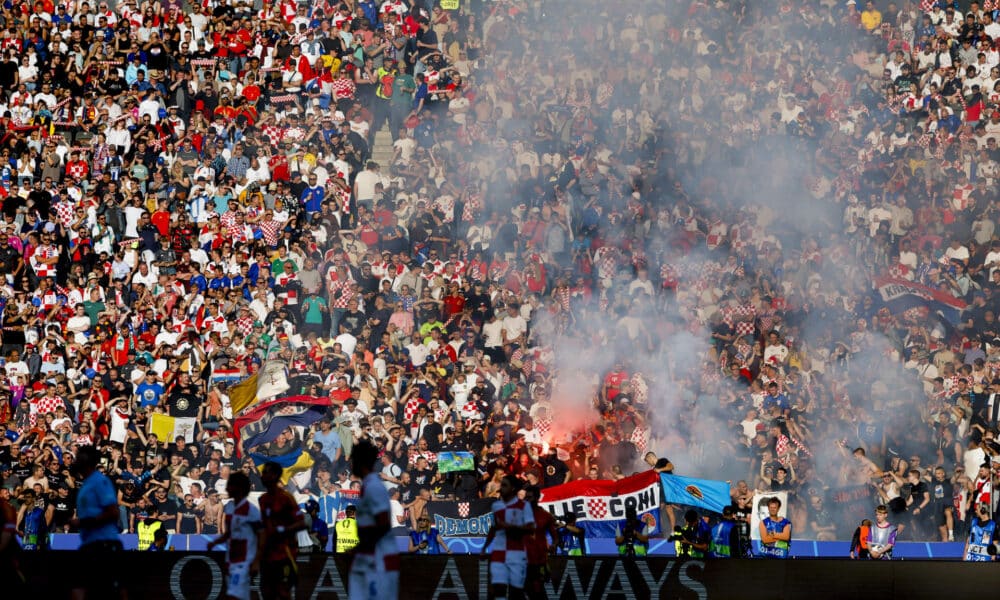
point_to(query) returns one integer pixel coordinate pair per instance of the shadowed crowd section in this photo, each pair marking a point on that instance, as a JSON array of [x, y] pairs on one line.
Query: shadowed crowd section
[[199, 576]]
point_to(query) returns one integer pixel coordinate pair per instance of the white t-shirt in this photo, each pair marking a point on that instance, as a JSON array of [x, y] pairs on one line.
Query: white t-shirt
[[132, 214], [406, 147], [375, 501], [418, 354], [391, 470], [460, 391], [515, 326], [347, 342], [79, 325], [365, 182], [242, 521], [397, 517], [493, 332]]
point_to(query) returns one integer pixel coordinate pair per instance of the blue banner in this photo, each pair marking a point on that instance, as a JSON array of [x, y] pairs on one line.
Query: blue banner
[[331, 506], [701, 493]]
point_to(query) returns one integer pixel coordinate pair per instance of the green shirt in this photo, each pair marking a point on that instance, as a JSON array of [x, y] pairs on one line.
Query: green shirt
[[402, 91], [311, 309], [426, 328], [278, 266], [93, 309]]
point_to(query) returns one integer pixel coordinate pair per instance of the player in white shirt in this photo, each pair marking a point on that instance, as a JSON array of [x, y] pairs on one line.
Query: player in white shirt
[[374, 573], [513, 521], [242, 523]]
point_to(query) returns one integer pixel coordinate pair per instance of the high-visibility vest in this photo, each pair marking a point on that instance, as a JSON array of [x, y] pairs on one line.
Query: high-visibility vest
[[347, 535], [780, 548], [147, 533], [719, 547]]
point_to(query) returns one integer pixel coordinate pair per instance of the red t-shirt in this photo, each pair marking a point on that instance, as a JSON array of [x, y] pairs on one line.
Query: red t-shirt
[[453, 305], [278, 509], [537, 544], [614, 382], [339, 396]]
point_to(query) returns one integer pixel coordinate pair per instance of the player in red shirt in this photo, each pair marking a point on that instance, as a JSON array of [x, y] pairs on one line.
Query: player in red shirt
[[282, 520], [9, 570], [538, 546], [513, 521]]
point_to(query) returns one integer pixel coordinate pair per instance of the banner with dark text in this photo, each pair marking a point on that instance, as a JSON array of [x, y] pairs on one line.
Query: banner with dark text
[[601, 505]]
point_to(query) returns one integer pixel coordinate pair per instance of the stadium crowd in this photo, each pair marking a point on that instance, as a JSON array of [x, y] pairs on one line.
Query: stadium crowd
[[602, 230]]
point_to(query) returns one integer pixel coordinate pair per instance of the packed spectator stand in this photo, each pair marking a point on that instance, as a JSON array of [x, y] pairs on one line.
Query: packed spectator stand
[[750, 236]]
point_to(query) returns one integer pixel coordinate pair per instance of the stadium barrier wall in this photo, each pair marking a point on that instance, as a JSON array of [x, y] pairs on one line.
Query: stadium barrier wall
[[657, 547], [184, 575]]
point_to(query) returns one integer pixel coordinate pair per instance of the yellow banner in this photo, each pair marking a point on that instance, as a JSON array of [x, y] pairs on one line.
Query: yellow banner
[[162, 426], [243, 394], [449, 4]]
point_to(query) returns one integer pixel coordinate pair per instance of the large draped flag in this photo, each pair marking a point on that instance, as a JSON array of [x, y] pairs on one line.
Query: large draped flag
[[601, 505], [702, 493], [900, 295], [269, 382], [264, 422], [168, 428]]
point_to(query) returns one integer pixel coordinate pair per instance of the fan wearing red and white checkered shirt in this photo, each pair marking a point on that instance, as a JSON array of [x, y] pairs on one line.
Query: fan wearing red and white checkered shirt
[[513, 520], [44, 260], [961, 194]]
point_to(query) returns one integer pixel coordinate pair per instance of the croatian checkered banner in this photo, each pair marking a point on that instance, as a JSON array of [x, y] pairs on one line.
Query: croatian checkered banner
[[601, 505], [900, 295]]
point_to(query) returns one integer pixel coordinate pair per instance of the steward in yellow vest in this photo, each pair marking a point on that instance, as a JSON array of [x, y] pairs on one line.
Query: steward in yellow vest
[[345, 532], [147, 529]]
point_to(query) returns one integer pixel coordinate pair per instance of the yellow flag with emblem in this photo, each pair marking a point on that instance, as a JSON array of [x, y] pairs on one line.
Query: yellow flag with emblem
[[243, 394]]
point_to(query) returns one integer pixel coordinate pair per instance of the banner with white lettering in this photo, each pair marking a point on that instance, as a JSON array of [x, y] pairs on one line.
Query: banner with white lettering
[[462, 519], [600, 505], [332, 506], [900, 295]]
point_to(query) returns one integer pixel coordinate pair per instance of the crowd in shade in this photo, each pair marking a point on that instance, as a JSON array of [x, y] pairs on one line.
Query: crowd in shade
[[756, 237]]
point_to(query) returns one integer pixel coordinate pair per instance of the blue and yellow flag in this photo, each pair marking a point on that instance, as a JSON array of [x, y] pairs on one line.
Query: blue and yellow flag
[[293, 462]]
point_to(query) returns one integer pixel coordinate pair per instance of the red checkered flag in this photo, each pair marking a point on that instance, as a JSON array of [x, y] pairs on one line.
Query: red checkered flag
[[410, 410], [597, 509], [463, 509]]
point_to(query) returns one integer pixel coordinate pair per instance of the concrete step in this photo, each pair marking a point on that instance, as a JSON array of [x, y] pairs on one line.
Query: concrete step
[[382, 149]]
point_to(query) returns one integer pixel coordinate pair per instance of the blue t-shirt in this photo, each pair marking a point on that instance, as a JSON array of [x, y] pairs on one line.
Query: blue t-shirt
[[312, 199], [149, 394], [330, 441], [96, 493]]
